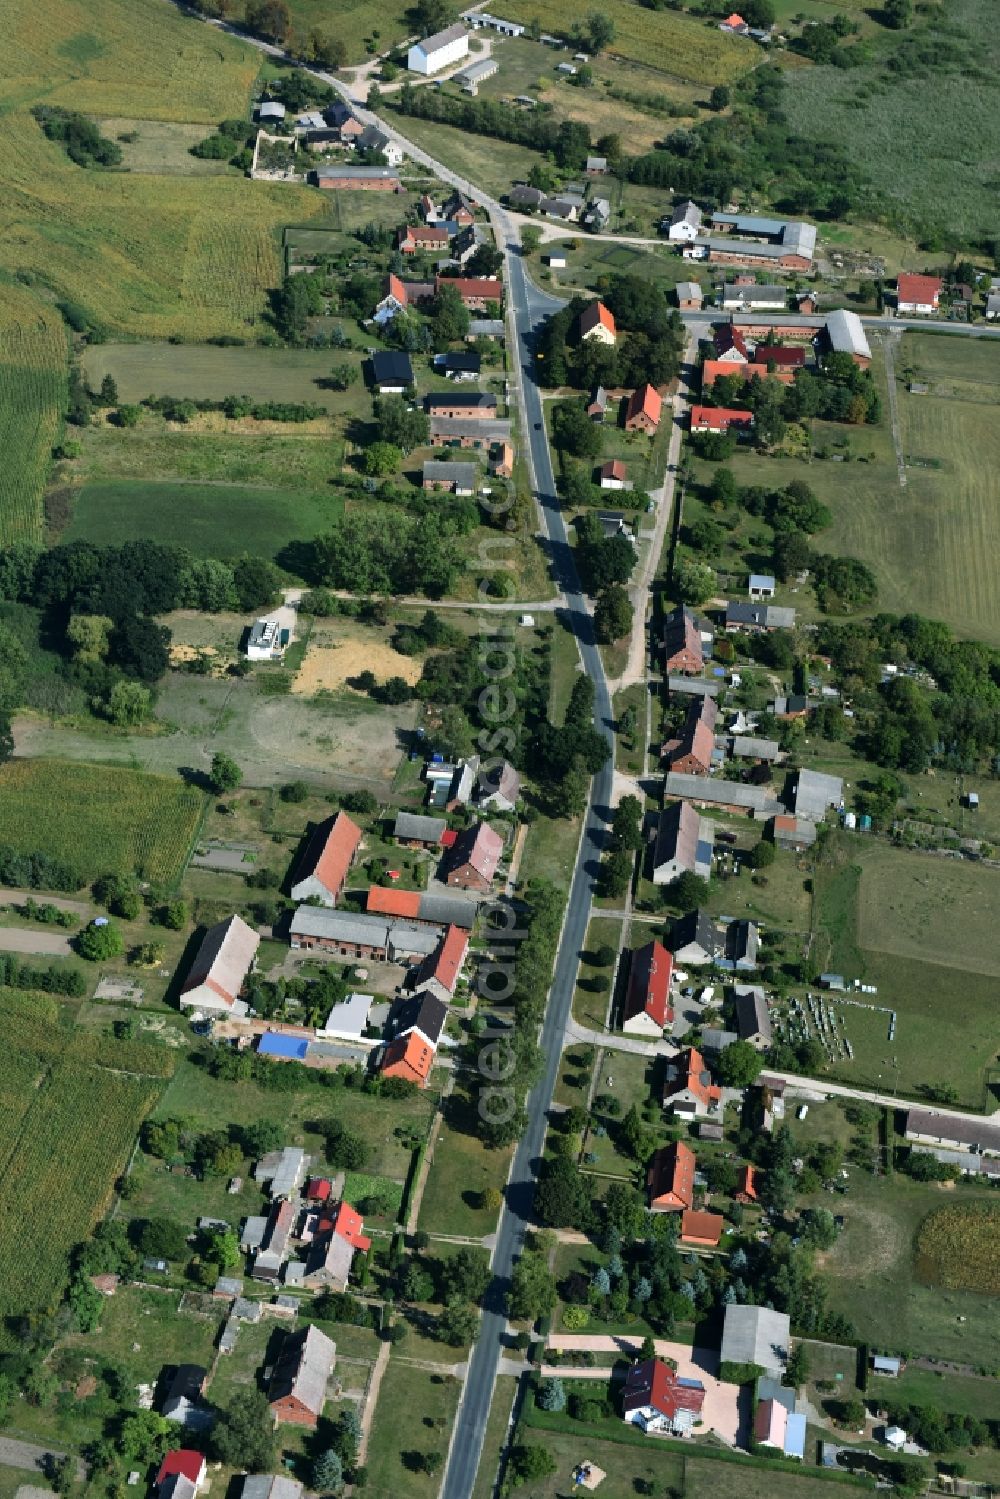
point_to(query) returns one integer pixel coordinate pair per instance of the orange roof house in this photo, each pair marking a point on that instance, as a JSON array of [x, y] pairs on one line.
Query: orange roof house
[[670, 1178], [746, 1189], [688, 1089], [440, 971], [703, 1229], [409, 1057], [716, 369], [349, 1225], [597, 322], [917, 293], [383, 901], [642, 413], [719, 418], [327, 861]]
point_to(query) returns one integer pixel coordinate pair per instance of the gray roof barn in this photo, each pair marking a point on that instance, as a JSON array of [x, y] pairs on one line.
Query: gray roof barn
[[412, 826], [756, 1335], [757, 799], [814, 792], [303, 1367], [752, 1018]]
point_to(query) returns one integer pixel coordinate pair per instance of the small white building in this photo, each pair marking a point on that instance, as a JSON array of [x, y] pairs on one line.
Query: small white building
[[481, 18], [761, 586], [438, 51], [271, 110], [684, 223], [894, 1438], [264, 642], [347, 1021]]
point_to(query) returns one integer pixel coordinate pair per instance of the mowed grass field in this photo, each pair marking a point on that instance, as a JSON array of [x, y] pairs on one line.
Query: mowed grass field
[[33, 373], [99, 819], [906, 923], [205, 372], [678, 45], [74, 1123], [931, 544], [212, 520]]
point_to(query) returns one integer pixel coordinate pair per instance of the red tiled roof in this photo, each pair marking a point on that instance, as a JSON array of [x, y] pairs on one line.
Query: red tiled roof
[[695, 1080], [349, 1225], [318, 1188], [386, 902], [396, 288], [184, 1461], [670, 1177], [446, 962], [715, 418], [649, 984], [911, 288], [472, 286], [727, 337], [334, 858], [448, 837], [424, 234], [701, 1228], [778, 354], [745, 1184], [479, 846], [783, 823], [655, 1383], [409, 1057], [596, 315], [614, 469], [645, 399]]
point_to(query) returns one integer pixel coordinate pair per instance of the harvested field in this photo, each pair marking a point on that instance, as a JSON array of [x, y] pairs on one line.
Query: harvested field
[[329, 664], [162, 147], [935, 910]]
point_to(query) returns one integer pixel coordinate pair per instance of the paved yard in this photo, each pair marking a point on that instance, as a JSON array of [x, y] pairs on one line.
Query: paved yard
[[721, 1412]]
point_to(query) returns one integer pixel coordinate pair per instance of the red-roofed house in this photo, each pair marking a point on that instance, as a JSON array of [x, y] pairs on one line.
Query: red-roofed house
[[730, 345], [920, 294], [716, 369], [735, 22], [597, 322], [647, 1000], [670, 1178], [349, 1225], [701, 1229], [691, 752], [327, 861], [182, 1462], [441, 970], [409, 1057], [385, 902], [472, 862], [746, 1187], [642, 411], [682, 648], [655, 1398], [394, 299], [790, 358], [719, 418], [318, 1188], [613, 474], [688, 1090], [477, 293]]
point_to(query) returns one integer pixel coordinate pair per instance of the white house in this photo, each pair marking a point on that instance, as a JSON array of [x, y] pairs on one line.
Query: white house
[[684, 224], [264, 642], [438, 51], [761, 586]]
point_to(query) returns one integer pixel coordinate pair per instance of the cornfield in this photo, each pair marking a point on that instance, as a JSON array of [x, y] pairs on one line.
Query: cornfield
[[66, 1129], [99, 819], [959, 1248], [33, 355]]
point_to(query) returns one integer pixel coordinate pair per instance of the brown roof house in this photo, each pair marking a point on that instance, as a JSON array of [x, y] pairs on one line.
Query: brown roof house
[[219, 971], [297, 1392], [691, 753], [642, 413], [682, 647], [327, 860], [670, 1178], [473, 859]]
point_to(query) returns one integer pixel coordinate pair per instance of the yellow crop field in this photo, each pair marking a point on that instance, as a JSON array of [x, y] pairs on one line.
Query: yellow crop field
[[139, 58], [676, 44], [32, 397]]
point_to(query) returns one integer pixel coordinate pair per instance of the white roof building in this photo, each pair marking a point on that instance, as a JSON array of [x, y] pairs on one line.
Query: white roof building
[[756, 1335], [347, 1021], [219, 971], [438, 51]]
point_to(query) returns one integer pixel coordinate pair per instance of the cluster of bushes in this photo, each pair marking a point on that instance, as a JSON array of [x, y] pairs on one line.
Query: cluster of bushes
[[78, 136], [52, 980], [183, 408], [229, 143], [36, 871]]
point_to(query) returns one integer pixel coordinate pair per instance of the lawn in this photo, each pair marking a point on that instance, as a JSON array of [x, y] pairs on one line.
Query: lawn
[[413, 1417], [872, 893], [677, 45], [33, 355], [590, 1005], [162, 147], [871, 1273], [629, 746], [493, 165], [964, 1395], [99, 819], [213, 520], [868, 109], [460, 1170], [152, 451], [353, 22], [204, 372]]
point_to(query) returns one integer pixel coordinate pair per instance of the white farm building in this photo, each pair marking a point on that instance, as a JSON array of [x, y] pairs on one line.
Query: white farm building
[[438, 51]]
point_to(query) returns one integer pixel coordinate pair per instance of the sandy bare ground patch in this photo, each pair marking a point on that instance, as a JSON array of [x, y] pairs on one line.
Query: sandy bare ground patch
[[329, 666]]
